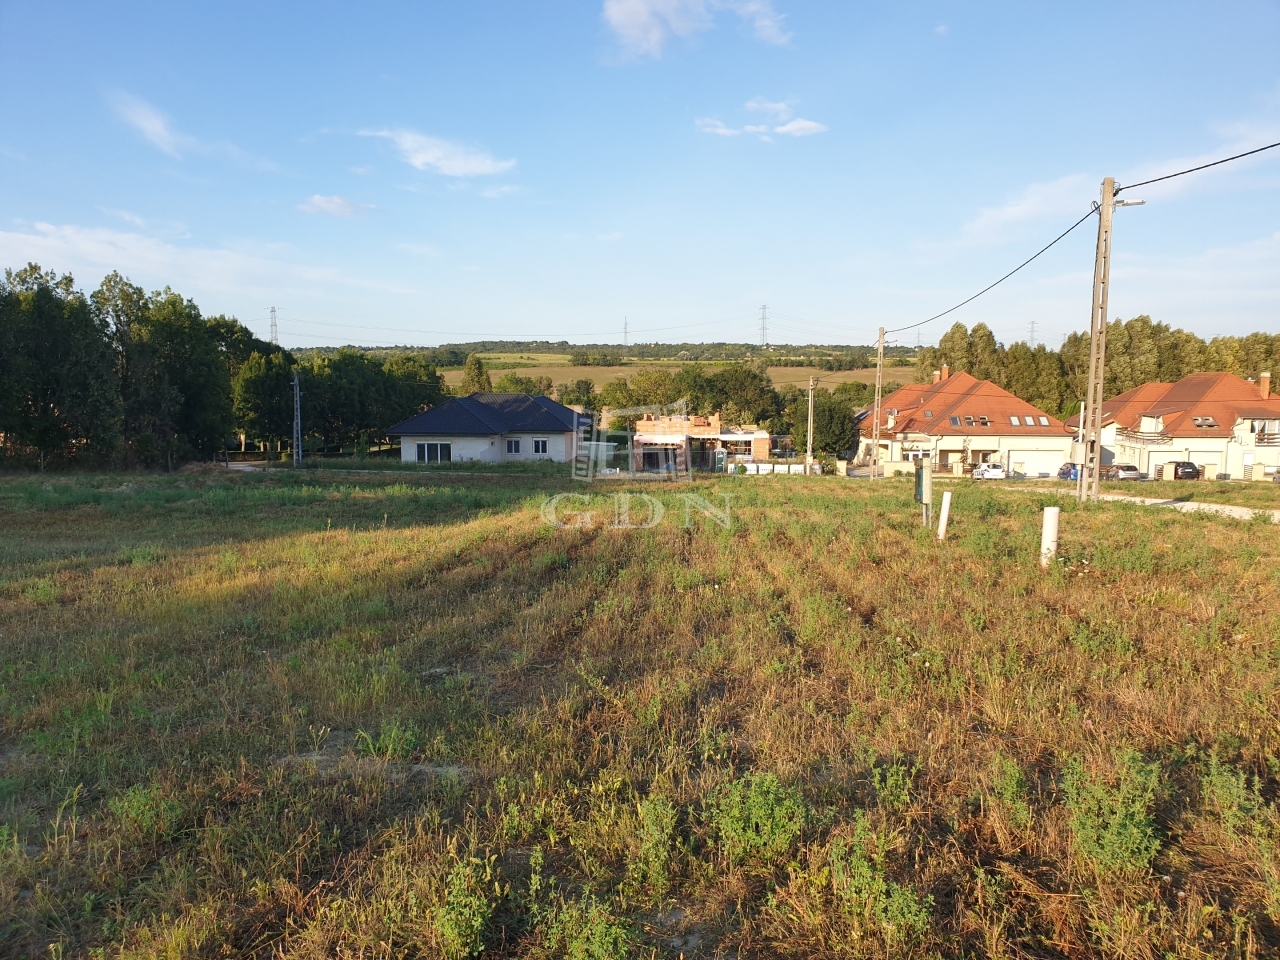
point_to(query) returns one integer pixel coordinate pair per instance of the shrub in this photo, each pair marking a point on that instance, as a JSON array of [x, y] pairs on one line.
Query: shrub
[[1228, 792], [651, 866], [146, 810], [1009, 789], [1112, 822], [586, 930], [461, 922], [893, 785], [873, 903], [758, 816]]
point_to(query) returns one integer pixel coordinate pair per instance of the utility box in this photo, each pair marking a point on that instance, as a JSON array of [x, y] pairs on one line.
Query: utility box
[[842, 468], [1079, 452], [1166, 471], [1209, 471]]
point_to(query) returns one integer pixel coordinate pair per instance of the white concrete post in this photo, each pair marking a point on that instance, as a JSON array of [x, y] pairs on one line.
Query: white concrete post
[[1049, 535], [944, 514]]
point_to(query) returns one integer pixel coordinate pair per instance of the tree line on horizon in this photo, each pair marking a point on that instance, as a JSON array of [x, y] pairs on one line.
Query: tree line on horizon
[[120, 376], [1139, 351]]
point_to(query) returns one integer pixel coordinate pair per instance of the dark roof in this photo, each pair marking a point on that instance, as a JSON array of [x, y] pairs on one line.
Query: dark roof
[[487, 414]]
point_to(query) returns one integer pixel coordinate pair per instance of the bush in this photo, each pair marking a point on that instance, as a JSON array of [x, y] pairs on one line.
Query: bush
[[461, 922], [586, 930], [868, 899], [1112, 823], [759, 817]]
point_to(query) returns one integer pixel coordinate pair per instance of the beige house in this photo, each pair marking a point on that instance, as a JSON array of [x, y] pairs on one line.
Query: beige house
[[960, 420], [1227, 426]]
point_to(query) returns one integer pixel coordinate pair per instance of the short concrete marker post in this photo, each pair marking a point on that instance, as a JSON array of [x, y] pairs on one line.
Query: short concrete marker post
[[1049, 535], [944, 514]]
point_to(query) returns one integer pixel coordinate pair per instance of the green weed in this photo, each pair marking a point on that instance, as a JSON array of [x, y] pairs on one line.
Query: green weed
[[1111, 819], [759, 817], [586, 930], [460, 923], [395, 741], [146, 810], [1228, 793]]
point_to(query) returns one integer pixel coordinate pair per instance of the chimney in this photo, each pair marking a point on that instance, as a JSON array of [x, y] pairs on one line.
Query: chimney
[[946, 370], [937, 375], [1264, 385]]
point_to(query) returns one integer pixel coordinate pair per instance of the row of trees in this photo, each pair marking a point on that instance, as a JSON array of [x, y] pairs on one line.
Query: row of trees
[[1138, 351], [124, 376]]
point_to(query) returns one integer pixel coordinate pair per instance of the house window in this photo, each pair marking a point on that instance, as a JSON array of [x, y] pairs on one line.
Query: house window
[[928, 414], [539, 446], [1044, 421], [435, 452], [513, 446], [1015, 421], [984, 422], [955, 421], [1204, 423], [968, 421]]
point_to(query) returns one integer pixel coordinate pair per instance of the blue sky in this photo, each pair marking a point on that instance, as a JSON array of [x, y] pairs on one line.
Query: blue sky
[[434, 172]]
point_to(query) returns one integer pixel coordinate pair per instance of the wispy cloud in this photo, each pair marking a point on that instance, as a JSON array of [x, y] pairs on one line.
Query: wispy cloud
[[421, 249], [333, 206], [717, 127], [442, 156], [167, 228], [800, 127], [493, 193], [781, 111], [610, 237], [218, 272], [643, 27], [778, 109], [1070, 194], [157, 129]]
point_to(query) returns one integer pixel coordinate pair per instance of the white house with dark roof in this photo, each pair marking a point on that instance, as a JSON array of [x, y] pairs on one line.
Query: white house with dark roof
[[492, 428]]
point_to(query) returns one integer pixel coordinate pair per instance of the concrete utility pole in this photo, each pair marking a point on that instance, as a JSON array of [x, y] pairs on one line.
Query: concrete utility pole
[[275, 334], [1091, 468], [875, 425], [297, 421], [764, 325], [808, 446], [624, 332]]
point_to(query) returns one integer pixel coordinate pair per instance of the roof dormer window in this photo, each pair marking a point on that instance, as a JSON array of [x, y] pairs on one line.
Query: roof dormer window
[[1015, 421]]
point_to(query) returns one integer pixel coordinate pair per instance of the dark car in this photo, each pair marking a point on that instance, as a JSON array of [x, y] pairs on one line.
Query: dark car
[[1185, 470], [1069, 471]]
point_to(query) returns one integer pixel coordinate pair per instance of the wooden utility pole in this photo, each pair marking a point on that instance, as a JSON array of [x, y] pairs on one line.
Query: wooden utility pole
[[297, 421], [808, 445], [875, 425], [1091, 469]]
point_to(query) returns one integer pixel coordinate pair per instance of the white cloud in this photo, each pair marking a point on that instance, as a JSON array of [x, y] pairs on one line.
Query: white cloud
[[157, 130], [761, 128], [442, 156], [333, 206], [941, 30], [800, 127], [493, 193], [169, 228], [781, 110], [717, 127], [644, 26]]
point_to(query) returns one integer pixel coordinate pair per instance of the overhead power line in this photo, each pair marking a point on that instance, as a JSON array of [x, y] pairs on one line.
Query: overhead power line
[[912, 326], [1203, 166]]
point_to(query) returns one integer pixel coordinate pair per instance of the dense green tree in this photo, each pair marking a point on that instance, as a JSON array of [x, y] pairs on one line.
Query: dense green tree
[[515, 383], [835, 425], [60, 391], [475, 378], [421, 387], [747, 387], [579, 393], [262, 396]]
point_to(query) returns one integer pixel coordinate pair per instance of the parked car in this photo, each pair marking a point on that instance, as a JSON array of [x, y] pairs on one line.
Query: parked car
[[1121, 471], [1069, 471], [988, 471], [1185, 470]]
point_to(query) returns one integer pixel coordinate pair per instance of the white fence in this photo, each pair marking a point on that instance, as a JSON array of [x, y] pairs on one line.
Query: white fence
[[759, 468]]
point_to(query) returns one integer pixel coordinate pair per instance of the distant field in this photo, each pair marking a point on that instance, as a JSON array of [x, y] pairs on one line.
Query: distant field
[[307, 714], [560, 371]]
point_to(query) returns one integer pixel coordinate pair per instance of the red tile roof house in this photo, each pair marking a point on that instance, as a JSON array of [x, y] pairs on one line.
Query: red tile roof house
[[959, 418], [1227, 426]]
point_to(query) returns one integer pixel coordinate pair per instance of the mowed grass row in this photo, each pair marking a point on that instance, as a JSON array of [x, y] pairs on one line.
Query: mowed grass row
[[290, 716]]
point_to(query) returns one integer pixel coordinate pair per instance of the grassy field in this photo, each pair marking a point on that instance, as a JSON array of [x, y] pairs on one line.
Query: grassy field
[[561, 371], [308, 715]]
